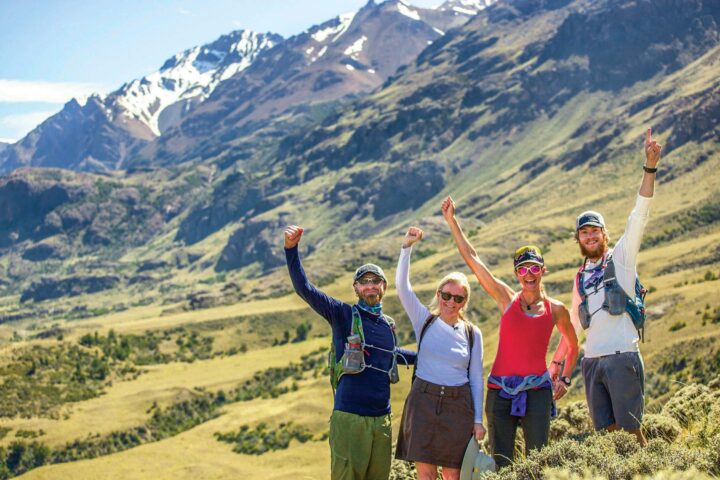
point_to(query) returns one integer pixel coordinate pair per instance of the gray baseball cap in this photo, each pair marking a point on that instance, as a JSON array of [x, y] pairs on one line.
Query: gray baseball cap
[[369, 268], [589, 218]]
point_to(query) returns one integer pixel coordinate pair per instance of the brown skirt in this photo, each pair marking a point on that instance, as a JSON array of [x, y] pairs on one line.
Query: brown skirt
[[436, 425]]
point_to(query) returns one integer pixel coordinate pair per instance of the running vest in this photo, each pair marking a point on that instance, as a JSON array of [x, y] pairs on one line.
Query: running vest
[[523, 341], [352, 360], [616, 301]]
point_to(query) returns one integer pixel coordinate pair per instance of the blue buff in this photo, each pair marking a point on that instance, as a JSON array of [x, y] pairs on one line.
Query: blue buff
[[515, 387], [375, 309]]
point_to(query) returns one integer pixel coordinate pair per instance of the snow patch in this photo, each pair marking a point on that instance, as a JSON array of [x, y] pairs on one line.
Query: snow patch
[[355, 49], [464, 11], [336, 31], [439, 31], [349, 67], [320, 54], [408, 12], [371, 70], [470, 7]]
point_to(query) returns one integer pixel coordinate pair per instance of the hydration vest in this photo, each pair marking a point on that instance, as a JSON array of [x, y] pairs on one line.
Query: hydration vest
[[353, 361], [616, 300]]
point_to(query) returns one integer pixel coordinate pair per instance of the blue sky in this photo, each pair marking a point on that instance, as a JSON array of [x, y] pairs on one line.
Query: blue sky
[[51, 51]]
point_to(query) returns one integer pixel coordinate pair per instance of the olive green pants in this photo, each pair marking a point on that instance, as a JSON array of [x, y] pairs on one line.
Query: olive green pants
[[360, 446]]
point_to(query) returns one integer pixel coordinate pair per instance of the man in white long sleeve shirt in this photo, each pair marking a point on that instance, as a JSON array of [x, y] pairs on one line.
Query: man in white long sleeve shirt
[[612, 368]]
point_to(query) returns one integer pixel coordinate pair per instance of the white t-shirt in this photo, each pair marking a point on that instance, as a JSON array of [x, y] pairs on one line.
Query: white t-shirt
[[444, 354], [609, 334]]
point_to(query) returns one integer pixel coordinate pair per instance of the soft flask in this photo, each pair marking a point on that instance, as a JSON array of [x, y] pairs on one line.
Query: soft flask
[[353, 360]]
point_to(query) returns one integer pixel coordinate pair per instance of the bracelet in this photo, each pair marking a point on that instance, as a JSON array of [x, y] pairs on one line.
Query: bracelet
[[649, 169]]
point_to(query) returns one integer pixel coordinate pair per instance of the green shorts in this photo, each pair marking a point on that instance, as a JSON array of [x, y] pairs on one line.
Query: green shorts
[[360, 447]]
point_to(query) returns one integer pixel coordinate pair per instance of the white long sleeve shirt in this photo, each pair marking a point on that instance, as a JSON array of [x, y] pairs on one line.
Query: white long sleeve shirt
[[607, 333], [444, 354]]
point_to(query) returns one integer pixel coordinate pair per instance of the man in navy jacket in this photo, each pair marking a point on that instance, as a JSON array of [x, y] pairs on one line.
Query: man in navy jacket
[[360, 430]]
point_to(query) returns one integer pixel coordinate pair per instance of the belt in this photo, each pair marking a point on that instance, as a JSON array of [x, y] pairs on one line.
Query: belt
[[617, 352], [442, 390]]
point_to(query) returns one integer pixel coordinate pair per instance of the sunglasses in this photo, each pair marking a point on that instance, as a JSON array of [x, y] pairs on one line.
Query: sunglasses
[[370, 281], [447, 296], [534, 269]]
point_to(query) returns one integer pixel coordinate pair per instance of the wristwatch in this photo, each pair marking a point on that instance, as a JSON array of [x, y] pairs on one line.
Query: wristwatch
[[566, 381]]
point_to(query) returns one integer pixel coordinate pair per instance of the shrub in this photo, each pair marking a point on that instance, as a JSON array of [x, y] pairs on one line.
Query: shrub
[[661, 426], [263, 438], [691, 403]]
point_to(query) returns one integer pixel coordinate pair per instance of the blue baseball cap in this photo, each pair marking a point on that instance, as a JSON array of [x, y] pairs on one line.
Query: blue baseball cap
[[589, 218]]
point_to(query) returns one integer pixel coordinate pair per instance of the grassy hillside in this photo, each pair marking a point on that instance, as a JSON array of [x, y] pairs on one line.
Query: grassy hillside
[[173, 325]]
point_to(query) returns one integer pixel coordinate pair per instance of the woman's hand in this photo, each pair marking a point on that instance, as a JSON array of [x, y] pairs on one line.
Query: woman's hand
[[448, 209], [413, 235], [479, 431], [559, 389]]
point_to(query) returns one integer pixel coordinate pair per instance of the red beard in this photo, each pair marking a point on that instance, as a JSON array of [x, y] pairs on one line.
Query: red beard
[[596, 252]]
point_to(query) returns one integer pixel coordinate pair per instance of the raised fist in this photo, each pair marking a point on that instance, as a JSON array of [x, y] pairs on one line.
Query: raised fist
[[292, 235], [448, 209], [413, 235]]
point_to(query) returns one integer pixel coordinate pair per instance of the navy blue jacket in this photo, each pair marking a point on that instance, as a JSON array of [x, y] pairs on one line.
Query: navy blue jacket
[[368, 392]]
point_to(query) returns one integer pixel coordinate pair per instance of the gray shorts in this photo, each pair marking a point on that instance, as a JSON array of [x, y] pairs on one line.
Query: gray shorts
[[615, 389]]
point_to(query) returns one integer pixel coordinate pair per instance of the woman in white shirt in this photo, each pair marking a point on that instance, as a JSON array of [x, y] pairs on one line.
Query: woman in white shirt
[[444, 406]]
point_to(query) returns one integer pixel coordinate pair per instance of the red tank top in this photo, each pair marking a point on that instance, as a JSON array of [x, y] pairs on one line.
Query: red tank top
[[523, 341]]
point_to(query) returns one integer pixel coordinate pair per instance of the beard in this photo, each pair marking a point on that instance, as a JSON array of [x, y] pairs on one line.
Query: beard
[[371, 299], [596, 252]]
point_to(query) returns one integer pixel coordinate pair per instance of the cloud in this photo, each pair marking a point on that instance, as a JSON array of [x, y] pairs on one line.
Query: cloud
[[19, 125], [187, 13], [47, 92]]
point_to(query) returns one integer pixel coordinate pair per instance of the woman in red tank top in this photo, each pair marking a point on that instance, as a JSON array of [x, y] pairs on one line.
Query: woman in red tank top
[[520, 390]]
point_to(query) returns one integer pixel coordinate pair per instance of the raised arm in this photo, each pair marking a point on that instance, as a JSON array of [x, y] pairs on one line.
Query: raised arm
[[416, 311], [628, 246], [325, 305], [496, 288]]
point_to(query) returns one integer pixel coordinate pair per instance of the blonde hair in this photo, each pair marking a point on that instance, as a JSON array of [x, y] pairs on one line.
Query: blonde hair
[[457, 278]]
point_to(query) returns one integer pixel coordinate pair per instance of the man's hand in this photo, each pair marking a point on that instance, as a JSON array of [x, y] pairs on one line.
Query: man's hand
[[413, 235], [479, 431], [559, 390], [292, 235], [652, 150], [448, 209]]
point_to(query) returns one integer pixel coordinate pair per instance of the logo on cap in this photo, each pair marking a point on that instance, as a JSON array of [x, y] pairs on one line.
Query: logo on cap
[[589, 218], [369, 268]]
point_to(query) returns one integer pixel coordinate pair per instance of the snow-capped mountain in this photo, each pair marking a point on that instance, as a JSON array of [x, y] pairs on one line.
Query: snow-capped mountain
[[349, 55], [190, 77], [100, 132], [241, 77]]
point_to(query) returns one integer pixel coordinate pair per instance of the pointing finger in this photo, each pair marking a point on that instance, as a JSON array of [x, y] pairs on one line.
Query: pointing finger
[[648, 136]]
